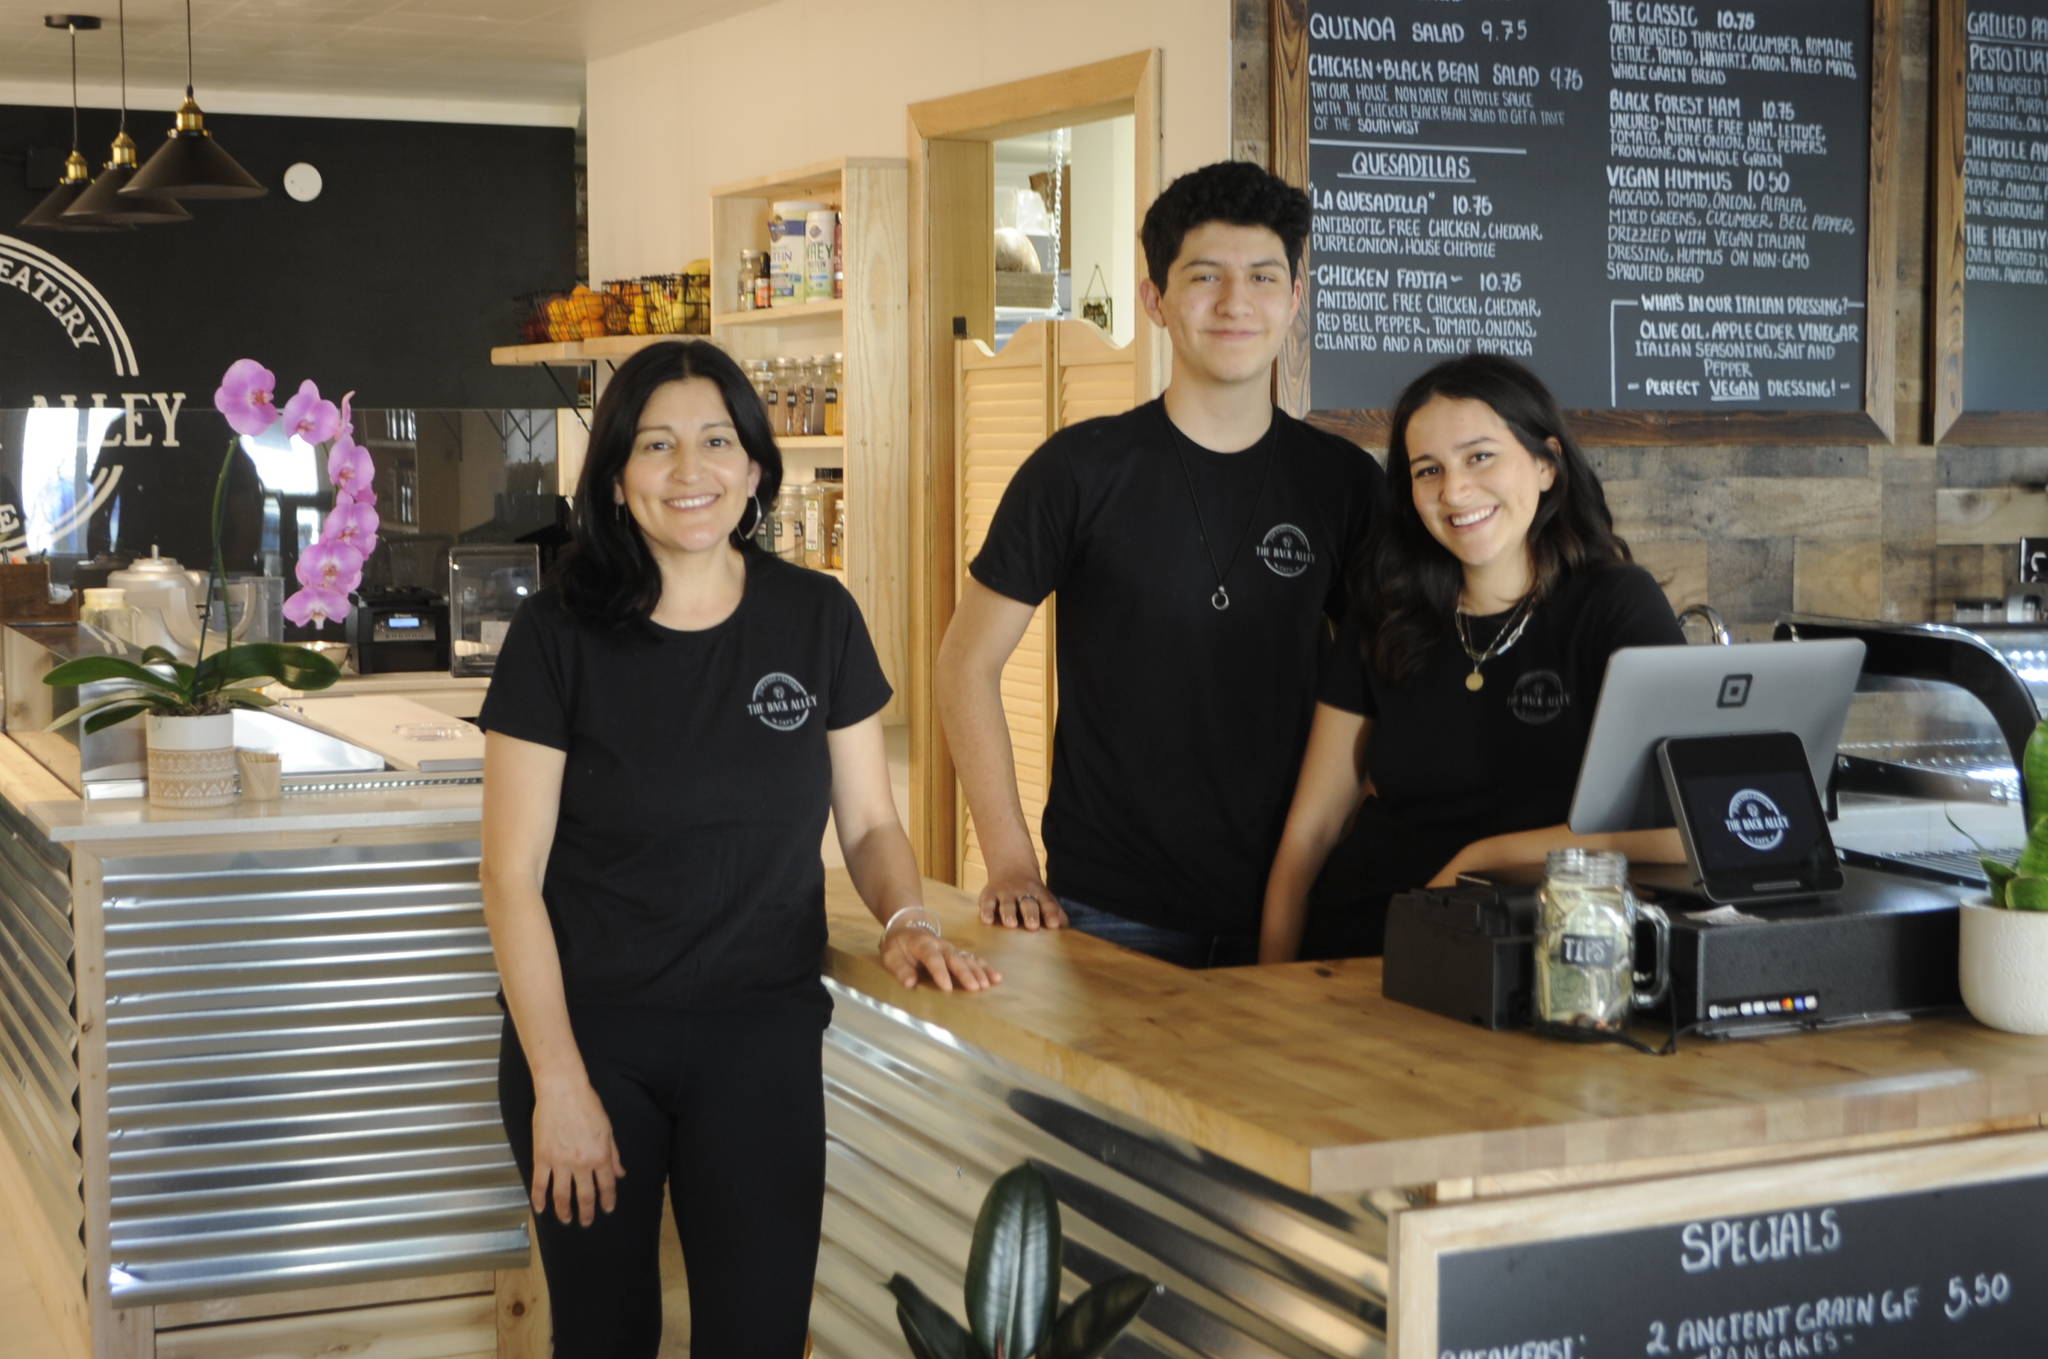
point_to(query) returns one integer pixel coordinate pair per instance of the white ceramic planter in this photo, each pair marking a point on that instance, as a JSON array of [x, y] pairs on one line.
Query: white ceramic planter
[[191, 760], [2004, 962]]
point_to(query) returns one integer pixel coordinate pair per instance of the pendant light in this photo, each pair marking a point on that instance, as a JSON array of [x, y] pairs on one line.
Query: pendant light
[[190, 163], [48, 214], [104, 204]]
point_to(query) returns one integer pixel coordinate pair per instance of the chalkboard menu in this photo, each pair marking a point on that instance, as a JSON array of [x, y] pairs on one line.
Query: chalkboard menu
[[1958, 1271], [1666, 209], [1992, 232]]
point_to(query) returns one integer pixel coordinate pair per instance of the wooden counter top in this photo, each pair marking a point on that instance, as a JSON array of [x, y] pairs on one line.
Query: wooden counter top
[[1305, 1074]]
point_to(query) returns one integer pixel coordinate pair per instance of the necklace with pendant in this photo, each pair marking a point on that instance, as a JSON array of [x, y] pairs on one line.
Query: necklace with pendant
[[1220, 599], [1510, 633]]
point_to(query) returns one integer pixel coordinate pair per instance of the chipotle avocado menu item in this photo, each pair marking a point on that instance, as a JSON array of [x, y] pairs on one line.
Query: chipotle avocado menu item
[[1658, 206]]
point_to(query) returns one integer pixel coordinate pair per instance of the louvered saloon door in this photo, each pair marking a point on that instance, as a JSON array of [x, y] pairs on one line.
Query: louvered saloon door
[[1050, 375]]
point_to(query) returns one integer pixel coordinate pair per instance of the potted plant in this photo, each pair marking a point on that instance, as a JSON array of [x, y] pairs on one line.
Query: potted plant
[[1013, 1288], [2004, 942], [188, 708]]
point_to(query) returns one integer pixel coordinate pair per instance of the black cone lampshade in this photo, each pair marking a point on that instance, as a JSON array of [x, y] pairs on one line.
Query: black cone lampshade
[[48, 215], [105, 205], [191, 164]]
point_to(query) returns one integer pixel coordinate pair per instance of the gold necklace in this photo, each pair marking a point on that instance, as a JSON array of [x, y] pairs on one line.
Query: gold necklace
[[1510, 633]]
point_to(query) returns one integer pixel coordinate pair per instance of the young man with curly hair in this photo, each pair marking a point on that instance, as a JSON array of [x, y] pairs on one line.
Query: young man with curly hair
[[1197, 546]]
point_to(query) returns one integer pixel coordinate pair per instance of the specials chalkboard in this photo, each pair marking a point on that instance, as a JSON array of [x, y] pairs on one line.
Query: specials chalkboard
[[1991, 239], [1666, 209], [1941, 1272]]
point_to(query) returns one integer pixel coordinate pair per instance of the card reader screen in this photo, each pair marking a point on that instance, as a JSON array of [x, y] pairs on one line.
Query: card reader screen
[[1742, 823]]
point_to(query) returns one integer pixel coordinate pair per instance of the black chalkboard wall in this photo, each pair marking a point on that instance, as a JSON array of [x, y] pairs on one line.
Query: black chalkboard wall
[[1947, 1272], [2004, 59], [1659, 206], [395, 281]]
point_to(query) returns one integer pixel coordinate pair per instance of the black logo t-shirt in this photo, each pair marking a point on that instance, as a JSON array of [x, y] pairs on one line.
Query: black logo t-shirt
[[685, 870], [1180, 726], [1450, 766]]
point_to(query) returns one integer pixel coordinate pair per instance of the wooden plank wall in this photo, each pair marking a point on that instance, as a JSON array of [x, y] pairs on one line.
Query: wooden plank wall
[[1894, 531]]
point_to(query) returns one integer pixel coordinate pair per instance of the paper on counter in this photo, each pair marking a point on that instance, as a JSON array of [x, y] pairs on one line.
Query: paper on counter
[[406, 733]]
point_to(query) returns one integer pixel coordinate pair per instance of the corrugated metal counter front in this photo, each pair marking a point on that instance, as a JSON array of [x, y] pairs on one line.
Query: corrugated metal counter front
[[279, 1059], [1254, 1138]]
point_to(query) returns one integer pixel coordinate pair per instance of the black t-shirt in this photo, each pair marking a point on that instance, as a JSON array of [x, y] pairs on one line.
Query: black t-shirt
[[684, 871], [1180, 726], [1450, 766]]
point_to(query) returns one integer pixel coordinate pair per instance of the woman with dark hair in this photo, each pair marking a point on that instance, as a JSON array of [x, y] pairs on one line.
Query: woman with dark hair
[[667, 728], [1454, 710]]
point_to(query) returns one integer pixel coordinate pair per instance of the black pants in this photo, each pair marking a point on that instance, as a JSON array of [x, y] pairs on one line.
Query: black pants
[[726, 1112]]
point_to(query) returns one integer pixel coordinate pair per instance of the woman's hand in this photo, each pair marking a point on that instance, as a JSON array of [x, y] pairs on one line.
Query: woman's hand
[[574, 1158], [909, 951]]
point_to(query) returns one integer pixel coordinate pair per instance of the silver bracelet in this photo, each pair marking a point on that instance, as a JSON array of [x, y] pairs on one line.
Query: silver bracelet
[[928, 925]]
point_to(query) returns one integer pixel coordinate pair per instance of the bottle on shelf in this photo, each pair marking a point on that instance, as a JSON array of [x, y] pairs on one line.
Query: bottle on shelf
[[835, 415]]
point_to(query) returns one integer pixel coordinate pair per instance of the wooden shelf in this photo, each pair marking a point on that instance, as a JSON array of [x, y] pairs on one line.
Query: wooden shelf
[[601, 347], [771, 316], [872, 197]]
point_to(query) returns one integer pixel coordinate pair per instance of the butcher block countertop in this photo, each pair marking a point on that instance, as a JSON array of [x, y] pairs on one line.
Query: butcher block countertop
[[1305, 1074]]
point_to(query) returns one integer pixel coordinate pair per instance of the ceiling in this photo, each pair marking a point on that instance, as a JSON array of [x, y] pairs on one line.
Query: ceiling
[[341, 57]]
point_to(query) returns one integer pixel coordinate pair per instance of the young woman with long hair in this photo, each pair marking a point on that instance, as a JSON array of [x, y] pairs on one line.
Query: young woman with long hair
[[1454, 709], [667, 727]]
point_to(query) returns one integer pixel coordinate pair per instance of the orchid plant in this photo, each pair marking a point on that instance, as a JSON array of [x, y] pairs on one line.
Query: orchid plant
[[332, 567], [162, 684]]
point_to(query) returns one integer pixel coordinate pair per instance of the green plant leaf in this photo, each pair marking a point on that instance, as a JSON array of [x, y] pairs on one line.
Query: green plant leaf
[[1013, 1270], [1998, 875], [932, 1334], [2027, 894], [1098, 1317], [2033, 860], [114, 716], [141, 700], [90, 669], [296, 667], [2034, 768]]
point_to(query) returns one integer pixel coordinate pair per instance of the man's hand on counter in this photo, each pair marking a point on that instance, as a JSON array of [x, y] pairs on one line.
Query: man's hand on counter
[[1021, 901]]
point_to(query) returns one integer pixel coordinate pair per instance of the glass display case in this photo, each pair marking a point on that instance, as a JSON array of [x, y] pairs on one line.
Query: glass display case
[[486, 586]]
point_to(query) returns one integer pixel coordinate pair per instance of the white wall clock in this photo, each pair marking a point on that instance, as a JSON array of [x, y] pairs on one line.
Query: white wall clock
[[302, 182]]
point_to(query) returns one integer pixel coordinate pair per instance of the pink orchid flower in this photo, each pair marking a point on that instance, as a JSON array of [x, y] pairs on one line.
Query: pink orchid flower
[[348, 467], [353, 524], [331, 566], [348, 419], [244, 397], [308, 417], [314, 606]]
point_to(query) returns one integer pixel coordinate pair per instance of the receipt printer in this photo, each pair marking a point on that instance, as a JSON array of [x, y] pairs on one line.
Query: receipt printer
[[1466, 952]]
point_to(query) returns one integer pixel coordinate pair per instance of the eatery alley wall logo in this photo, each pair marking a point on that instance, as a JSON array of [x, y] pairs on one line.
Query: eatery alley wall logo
[[74, 305]]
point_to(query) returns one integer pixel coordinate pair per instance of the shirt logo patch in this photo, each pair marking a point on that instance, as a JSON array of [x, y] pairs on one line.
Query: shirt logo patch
[[781, 702], [1538, 697], [1285, 551]]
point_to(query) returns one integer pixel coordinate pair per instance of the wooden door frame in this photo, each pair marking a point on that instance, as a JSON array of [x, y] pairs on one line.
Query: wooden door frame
[[952, 277]]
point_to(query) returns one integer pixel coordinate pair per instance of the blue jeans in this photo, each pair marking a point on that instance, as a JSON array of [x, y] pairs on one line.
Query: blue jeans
[[1182, 948]]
